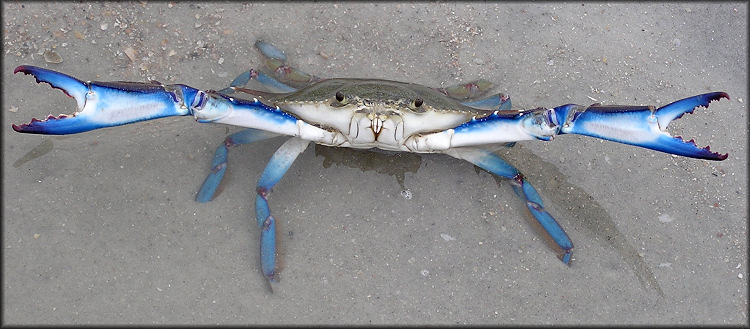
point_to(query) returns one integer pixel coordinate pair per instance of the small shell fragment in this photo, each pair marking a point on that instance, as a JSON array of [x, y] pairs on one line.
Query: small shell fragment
[[664, 218], [447, 237], [52, 57], [131, 53]]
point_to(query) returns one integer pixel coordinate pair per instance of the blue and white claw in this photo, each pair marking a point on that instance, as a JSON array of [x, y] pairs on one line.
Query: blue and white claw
[[110, 104], [641, 126], [106, 104]]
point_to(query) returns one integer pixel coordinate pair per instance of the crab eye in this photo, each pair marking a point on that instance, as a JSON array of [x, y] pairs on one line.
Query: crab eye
[[418, 102], [340, 96]]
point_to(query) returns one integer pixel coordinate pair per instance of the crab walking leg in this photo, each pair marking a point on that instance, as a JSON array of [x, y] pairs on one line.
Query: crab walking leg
[[496, 165], [497, 102], [276, 168], [276, 62], [265, 80], [219, 164], [467, 90]]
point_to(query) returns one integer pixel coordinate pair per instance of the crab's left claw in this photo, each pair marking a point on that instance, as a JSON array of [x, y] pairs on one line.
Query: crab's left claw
[[641, 126], [105, 104]]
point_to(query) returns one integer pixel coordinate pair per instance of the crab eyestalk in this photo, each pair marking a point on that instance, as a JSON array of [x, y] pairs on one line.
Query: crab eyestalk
[[641, 126], [105, 104]]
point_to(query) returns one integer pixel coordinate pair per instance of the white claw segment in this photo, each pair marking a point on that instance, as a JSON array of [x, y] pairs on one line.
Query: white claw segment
[[439, 141]]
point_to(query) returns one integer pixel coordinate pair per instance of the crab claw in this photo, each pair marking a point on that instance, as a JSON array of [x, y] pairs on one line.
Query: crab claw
[[105, 104], [639, 125]]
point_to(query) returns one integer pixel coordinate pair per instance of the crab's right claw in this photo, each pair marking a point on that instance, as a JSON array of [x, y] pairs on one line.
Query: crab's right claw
[[641, 126], [105, 104]]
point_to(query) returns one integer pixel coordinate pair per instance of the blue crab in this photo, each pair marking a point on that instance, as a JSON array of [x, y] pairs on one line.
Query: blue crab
[[364, 113]]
